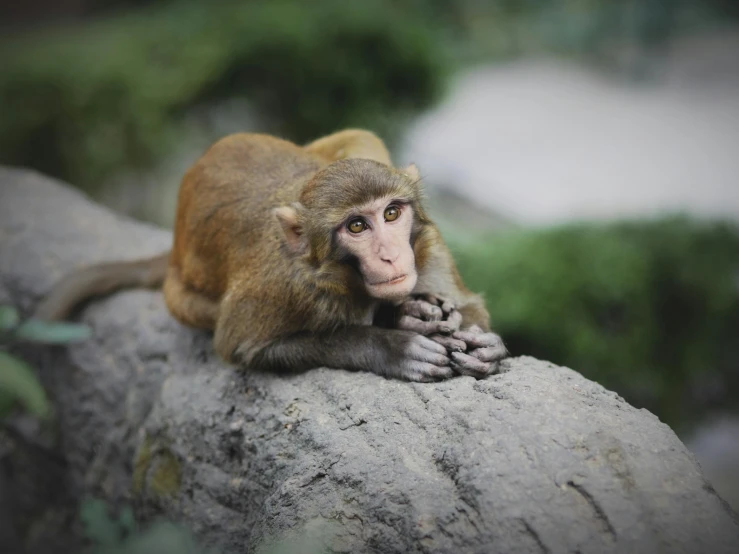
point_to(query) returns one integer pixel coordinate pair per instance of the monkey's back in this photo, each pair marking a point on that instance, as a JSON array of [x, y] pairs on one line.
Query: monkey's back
[[224, 222]]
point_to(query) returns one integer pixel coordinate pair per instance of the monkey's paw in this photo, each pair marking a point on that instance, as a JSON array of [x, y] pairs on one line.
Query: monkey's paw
[[484, 351], [418, 358], [428, 315], [446, 304]]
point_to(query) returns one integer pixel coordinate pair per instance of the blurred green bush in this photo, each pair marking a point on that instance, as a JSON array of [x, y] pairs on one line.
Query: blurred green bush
[[649, 309], [93, 97], [108, 92]]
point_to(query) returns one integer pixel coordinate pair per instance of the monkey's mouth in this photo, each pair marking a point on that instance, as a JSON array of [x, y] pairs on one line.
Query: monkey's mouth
[[393, 281]]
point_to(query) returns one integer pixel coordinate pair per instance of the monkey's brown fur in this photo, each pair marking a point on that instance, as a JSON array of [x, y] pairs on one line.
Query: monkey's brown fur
[[231, 270]]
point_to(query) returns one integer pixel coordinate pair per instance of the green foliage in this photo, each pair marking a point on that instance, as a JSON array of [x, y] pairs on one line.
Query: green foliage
[[9, 318], [51, 333], [649, 309], [83, 101], [587, 29], [94, 97], [18, 381], [109, 534], [100, 527]]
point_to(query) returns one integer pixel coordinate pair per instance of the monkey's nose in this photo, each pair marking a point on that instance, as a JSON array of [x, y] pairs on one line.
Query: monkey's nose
[[389, 255]]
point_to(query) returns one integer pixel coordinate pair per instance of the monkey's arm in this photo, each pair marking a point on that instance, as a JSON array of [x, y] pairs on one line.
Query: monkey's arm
[[351, 143], [389, 352]]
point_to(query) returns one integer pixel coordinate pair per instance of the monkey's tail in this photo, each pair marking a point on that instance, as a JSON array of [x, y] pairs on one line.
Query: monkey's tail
[[99, 280]]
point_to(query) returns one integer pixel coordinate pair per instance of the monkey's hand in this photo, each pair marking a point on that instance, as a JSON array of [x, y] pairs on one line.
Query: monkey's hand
[[429, 315], [416, 358], [446, 304], [484, 351]]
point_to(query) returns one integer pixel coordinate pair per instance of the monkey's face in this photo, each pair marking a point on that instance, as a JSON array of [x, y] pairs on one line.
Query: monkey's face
[[378, 236]]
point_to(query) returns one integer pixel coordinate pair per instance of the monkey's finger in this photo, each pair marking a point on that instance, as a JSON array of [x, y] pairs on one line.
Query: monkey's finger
[[446, 304], [491, 368], [427, 373], [426, 343], [454, 320], [441, 360], [409, 323], [478, 340], [440, 372], [421, 310], [490, 353], [467, 365], [411, 307], [451, 344], [465, 370], [465, 335]]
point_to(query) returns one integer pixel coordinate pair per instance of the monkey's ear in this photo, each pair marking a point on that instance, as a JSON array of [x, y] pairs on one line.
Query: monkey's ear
[[289, 218], [412, 172]]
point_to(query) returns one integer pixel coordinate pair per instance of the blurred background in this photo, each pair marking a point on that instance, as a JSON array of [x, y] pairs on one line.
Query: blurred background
[[581, 156]]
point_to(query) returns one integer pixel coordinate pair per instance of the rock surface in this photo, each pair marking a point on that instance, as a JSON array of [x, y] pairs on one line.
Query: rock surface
[[535, 459]]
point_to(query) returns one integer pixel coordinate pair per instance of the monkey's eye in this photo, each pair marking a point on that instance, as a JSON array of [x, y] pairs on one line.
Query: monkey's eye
[[392, 213], [356, 226]]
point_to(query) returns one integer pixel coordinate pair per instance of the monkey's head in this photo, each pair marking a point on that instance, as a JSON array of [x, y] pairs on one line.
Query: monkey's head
[[357, 222]]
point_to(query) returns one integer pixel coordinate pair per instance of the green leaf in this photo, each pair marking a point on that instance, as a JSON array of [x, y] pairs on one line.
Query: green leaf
[[35, 330], [100, 528], [7, 403], [8, 318], [19, 380], [127, 521]]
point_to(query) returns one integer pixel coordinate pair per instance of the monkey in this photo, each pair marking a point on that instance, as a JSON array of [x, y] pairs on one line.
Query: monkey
[[289, 254], [351, 143]]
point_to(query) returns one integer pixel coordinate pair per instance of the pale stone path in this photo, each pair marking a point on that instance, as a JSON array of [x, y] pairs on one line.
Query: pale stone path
[[545, 141]]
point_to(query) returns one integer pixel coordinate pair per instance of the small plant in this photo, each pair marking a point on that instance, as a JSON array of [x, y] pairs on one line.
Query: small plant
[[119, 534], [19, 383], [102, 529]]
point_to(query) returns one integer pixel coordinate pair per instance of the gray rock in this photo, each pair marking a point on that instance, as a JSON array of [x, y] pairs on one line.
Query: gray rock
[[535, 459]]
